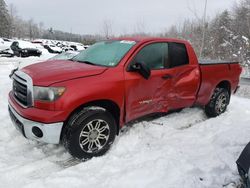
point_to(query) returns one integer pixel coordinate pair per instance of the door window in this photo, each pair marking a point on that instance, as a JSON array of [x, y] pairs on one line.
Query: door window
[[153, 55]]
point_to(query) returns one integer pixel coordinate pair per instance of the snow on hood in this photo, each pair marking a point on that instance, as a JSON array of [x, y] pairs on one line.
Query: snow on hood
[[49, 72], [25, 44], [55, 48], [4, 44]]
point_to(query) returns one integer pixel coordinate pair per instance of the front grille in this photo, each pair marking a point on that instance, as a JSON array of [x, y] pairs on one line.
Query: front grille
[[22, 89]]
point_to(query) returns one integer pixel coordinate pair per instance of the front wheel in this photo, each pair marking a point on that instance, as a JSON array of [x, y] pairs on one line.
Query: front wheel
[[89, 133], [218, 103]]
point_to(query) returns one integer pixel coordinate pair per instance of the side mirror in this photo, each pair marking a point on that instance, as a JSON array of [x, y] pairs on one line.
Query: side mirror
[[141, 68]]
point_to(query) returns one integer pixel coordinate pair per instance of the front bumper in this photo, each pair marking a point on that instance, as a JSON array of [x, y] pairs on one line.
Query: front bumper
[[50, 132]]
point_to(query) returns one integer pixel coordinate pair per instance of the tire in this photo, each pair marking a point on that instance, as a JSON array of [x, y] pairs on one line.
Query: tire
[[23, 55], [19, 54], [89, 133], [218, 102]]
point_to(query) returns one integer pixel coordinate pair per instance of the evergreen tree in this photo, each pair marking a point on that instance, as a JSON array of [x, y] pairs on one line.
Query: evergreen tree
[[241, 27], [222, 35], [4, 20]]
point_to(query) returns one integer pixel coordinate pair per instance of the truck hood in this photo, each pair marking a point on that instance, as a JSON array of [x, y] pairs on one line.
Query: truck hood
[[50, 72]]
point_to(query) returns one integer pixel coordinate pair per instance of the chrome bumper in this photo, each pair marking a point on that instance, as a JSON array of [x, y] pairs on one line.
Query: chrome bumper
[[50, 132]]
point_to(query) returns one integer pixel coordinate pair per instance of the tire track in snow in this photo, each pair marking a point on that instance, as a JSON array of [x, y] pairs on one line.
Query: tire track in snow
[[184, 123], [182, 119]]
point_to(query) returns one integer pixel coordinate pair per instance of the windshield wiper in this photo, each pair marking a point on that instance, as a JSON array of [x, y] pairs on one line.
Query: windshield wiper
[[86, 62]]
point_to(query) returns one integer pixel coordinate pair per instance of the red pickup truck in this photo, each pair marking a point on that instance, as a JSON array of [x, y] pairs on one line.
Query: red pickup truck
[[84, 102]]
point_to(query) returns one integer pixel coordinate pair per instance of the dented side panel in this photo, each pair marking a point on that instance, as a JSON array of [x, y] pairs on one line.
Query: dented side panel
[[186, 85], [147, 96]]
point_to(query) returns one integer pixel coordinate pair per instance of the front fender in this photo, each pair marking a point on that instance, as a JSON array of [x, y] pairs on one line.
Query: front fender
[[84, 90]]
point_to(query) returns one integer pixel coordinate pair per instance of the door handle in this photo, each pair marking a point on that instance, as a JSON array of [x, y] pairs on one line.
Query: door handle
[[167, 76]]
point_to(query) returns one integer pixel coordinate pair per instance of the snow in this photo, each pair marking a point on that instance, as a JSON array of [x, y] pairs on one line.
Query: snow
[[55, 48], [22, 62], [184, 149], [25, 44], [4, 44], [65, 55], [245, 38], [40, 47], [55, 45], [245, 72]]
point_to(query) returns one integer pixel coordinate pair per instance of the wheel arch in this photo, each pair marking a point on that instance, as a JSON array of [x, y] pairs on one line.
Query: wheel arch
[[226, 85], [107, 104]]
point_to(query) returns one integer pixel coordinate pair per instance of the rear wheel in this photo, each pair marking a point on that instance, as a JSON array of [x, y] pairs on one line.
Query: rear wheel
[[89, 133], [218, 103]]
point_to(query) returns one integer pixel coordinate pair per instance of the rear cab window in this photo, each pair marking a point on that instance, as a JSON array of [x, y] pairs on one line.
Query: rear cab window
[[177, 55]]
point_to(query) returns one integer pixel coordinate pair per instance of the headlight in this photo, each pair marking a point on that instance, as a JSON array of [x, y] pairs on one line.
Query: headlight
[[48, 93], [25, 51]]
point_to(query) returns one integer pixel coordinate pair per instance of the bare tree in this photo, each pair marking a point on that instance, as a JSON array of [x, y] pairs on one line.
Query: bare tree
[[204, 29], [13, 16], [107, 28], [140, 27], [194, 11], [172, 32], [31, 29], [41, 29]]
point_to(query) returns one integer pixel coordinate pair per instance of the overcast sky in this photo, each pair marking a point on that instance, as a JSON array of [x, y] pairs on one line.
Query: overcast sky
[[87, 16]]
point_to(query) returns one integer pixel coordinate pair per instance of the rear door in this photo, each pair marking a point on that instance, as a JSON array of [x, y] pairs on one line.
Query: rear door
[[185, 75]]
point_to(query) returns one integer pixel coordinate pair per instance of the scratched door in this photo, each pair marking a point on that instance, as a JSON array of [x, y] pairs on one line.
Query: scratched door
[[148, 96]]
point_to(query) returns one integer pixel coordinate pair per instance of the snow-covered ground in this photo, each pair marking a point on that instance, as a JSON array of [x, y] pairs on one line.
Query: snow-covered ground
[[182, 149], [246, 72]]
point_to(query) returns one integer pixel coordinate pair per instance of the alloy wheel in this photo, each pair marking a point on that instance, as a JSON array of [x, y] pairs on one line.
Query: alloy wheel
[[94, 136]]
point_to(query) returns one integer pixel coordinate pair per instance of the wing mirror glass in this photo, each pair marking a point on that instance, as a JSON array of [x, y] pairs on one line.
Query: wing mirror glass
[[141, 68]]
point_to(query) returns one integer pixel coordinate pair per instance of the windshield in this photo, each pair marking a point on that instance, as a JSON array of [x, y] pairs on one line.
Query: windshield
[[64, 56], [106, 53]]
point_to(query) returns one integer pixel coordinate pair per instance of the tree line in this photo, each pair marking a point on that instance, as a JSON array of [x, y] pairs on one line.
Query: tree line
[[12, 26], [225, 36]]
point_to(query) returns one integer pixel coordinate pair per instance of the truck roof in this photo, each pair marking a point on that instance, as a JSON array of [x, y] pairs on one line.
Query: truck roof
[[148, 39]]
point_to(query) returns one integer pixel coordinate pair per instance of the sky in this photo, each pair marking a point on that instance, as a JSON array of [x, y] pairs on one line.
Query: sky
[[124, 16]]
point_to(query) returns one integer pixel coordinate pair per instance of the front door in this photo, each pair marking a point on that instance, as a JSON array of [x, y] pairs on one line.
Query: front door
[[148, 96]]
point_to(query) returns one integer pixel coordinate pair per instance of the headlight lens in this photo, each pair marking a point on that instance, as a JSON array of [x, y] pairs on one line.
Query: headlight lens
[[48, 94]]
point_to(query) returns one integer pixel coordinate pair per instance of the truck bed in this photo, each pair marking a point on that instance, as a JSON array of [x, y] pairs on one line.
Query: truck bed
[[213, 73], [212, 62]]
